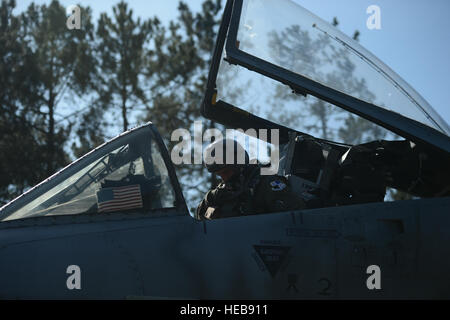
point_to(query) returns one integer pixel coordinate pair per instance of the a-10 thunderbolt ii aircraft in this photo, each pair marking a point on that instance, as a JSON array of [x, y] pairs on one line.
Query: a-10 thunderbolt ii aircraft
[[65, 238]]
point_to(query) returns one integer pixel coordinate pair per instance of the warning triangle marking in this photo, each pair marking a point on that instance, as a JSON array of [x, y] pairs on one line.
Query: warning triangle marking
[[272, 257]]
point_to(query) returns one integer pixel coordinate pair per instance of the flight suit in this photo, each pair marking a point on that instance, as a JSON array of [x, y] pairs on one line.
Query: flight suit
[[248, 193]]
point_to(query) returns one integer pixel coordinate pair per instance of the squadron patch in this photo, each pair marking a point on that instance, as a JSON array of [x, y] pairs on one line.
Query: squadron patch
[[277, 185]]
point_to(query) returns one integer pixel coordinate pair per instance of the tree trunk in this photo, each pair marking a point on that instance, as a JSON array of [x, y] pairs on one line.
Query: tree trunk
[[51, 134], [124, 113]]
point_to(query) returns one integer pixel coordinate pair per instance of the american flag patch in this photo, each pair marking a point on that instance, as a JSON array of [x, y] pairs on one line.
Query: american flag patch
[[119, 198]]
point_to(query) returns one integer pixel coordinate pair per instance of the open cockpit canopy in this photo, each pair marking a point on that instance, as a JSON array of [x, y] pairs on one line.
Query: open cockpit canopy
[[286, 68]]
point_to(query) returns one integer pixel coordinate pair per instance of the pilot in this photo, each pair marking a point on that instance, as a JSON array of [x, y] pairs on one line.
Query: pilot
[[243, 190]]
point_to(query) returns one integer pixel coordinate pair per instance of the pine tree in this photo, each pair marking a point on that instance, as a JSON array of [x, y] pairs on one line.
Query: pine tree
[[182, 59], [64, 69], [20, 151], [122, 48]]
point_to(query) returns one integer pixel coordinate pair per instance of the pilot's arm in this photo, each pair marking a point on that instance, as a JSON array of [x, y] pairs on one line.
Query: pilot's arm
[[218, 203], [202, 208]]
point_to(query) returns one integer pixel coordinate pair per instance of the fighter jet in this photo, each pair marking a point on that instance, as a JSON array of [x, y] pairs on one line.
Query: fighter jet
[[114, 224]]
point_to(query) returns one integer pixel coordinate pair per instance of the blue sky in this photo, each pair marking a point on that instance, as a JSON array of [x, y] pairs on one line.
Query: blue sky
[[413, 40]]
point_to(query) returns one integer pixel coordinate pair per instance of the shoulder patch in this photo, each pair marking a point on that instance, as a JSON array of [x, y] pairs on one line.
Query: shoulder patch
[[277, 185]]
